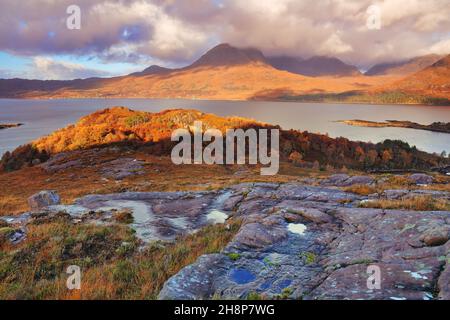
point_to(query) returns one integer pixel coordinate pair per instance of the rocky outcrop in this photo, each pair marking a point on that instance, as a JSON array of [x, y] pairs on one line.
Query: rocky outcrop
[[304, 242], [295, 242], [43, 199]]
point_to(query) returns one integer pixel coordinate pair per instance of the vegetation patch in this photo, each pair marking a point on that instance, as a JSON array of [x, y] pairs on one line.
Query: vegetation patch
[[418, 203], [111, 265]]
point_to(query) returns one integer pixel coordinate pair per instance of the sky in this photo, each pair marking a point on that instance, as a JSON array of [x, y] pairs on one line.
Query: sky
[[118, 37]]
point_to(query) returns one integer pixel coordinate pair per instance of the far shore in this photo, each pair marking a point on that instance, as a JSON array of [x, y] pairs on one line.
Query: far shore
[[443, 127], [10, 125]]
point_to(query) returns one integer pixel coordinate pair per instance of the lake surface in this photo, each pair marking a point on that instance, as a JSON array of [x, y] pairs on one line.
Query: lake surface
[[42, 117]]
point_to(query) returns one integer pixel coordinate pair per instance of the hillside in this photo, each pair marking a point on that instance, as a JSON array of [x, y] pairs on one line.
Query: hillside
[[432, 81], [124, 127], [315, 66], [404, 68]]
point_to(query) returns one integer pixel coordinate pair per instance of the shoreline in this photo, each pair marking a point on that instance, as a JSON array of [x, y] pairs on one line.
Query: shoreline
[[440, 127], [10, 125]]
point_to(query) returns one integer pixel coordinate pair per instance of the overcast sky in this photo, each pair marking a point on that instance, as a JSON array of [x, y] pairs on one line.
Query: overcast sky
[[122, 36]]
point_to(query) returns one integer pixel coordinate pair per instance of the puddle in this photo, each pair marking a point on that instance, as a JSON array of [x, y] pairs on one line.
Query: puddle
[[284, 284], [140, 210], [216, 216], [297, 228], [242, 276]]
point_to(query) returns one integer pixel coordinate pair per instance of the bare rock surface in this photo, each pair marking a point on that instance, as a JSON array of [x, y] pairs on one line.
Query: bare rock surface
[[302, 242], [295, 242]]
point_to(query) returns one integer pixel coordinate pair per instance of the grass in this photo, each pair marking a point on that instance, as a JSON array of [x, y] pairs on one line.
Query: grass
[[111, 265], [418, 203], [361, 189]]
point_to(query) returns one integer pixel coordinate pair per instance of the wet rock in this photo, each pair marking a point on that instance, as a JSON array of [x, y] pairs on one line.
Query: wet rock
[[43, 199], [421, 178]]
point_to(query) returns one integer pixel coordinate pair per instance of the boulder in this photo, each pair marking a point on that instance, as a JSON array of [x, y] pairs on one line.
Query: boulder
[[421, 178], [436, 236], [43, 199]]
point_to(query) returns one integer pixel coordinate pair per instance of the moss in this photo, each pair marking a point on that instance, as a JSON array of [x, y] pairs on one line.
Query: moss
[[254, 296], [234, 256], [308, 257]]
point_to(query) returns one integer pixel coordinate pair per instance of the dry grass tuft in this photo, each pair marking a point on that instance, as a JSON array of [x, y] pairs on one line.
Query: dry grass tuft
[[361, 189], [419, 203]]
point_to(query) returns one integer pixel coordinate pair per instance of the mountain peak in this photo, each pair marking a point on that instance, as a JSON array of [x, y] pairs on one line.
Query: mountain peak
[[225, 55], [154, 69]]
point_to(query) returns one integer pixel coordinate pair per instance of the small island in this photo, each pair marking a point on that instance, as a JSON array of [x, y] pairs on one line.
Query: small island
[[10, 125], [435, 126]]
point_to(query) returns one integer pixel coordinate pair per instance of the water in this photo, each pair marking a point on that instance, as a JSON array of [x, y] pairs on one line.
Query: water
[[42, 117]]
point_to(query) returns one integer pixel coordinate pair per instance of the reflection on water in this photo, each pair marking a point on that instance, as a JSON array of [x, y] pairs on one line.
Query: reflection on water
[[41, 117]]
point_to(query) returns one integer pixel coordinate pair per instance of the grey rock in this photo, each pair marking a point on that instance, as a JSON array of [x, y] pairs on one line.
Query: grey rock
[[421, 178], [43, 199]]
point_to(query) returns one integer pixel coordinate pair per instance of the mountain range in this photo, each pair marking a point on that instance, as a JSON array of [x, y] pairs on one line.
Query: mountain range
[[227, 72]]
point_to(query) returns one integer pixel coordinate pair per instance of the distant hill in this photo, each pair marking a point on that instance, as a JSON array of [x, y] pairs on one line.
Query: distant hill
[[152, 70], [404, 67], [433, 80], [315, 66]]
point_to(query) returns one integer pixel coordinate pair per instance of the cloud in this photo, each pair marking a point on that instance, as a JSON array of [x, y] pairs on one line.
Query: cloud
[[176, 32], [46, 68]]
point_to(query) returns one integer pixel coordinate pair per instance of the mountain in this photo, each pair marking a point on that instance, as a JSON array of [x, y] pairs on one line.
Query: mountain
[[315, 66], [152, 70], [229, 73], [404, 67], [433, 80], [226, 55]]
